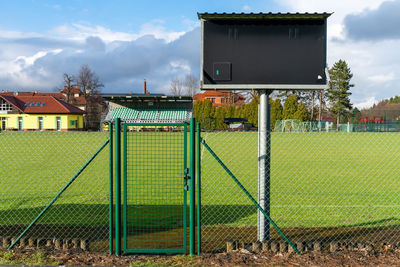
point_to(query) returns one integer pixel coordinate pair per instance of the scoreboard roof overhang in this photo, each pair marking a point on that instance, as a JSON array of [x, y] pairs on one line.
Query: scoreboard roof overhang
[[262, 16]]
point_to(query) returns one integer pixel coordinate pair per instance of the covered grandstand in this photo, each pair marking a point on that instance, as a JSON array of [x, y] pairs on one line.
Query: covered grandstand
[[148, 108]]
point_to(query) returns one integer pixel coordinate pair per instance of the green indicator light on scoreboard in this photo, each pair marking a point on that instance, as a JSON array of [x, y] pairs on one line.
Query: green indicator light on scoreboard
[[217, 72]]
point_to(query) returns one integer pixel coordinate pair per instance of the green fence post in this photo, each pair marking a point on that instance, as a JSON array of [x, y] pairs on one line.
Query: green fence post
[[117, 186], [198, 181], [111, 188], [125, 190], [192, 184]]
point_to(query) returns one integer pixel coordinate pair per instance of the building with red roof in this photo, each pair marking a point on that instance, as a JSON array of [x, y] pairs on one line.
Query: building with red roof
[[32, 111], [220, 98]]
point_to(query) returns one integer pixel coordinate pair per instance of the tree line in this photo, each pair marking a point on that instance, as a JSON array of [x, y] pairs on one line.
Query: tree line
[[302, 105], [213, 118]]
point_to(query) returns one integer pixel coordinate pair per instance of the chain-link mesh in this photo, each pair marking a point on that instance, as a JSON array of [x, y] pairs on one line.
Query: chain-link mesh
[[325, 187], [226, 212], [35, 166], [155, 198]]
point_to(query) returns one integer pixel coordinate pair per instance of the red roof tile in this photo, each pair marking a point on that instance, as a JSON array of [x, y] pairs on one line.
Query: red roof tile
[[57, 95], [41, 104], [81, 100]]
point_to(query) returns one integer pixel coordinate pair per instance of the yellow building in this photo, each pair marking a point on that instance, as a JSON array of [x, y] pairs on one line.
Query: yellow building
[[38, 113]]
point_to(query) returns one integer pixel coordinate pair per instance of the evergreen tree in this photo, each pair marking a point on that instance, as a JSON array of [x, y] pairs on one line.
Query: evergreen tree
[[203, 111], [251, 111], [356, 114], [289, 107], [197, 108], [219, 117], [229, 111], [276, 111], [339, 91], [239, 112], [301, 113]]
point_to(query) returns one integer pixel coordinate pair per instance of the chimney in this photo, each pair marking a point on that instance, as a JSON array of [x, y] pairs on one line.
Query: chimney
[[130, 92], [144, 87]]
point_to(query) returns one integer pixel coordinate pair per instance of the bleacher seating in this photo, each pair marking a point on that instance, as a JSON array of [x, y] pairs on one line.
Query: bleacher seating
[[157, 115]]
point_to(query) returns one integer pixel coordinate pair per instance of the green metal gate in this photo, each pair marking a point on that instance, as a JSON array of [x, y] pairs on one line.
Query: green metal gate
[[155, 185]]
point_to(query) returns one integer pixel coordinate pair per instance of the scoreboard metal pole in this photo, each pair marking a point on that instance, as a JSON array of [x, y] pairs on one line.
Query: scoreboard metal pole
[[264, 165]]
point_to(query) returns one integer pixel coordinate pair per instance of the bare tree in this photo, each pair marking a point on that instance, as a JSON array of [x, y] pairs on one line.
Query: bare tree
[[90, 86], [176, 87], [312, 105], [68, 86], [191, 85], [89, 81]]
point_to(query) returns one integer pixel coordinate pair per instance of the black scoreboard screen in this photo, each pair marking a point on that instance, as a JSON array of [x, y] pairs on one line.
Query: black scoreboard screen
[[263, 51]]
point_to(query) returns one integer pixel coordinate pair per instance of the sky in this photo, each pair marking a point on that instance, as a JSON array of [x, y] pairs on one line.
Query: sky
[[124, 42]]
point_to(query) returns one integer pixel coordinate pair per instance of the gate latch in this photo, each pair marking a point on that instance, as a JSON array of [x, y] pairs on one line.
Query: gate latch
[[186, 177]]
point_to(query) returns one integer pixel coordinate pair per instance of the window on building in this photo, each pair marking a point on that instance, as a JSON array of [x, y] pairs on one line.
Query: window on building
[[5, 106], [40, 123], [20, 124], [58, 123], [3, 123]]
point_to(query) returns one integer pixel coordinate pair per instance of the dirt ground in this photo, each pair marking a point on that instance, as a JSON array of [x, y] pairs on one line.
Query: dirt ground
[[236, 258]]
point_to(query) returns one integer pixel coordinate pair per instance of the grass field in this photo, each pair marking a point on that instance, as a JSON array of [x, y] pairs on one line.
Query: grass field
[[317, 179], [36, 165]]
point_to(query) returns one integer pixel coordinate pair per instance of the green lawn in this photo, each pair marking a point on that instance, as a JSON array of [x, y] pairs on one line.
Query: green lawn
[[317, 179], [36, 165]]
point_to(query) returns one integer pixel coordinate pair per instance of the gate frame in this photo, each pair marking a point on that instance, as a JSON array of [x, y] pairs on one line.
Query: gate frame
[[188, 180]]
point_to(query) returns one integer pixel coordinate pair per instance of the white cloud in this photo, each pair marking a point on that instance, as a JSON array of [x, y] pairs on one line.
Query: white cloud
[[246, 8], [6, 34], [159, 32], [340, 7], [15, 70], [375, 65], [122, 62], [79, 32], [30, 60], [382, 78], [179, 66], [367, 103]]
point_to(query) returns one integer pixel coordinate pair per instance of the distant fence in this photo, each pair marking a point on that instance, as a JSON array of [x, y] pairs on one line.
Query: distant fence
[[299, 126]]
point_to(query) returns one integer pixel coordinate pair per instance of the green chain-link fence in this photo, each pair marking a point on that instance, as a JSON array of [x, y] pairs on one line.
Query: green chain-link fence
[[325, 186], [35, 166], [155, 200]]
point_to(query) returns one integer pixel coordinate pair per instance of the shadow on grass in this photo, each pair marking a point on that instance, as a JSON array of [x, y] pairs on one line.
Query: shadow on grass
[[90, 221], [78, 220]]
